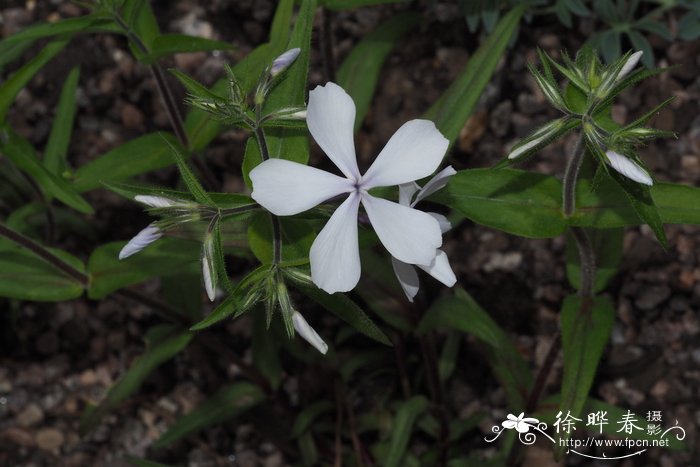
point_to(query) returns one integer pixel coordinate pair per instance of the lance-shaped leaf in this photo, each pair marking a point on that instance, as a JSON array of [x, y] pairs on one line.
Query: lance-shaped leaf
[[143, 154], [515, 201], [464, 314], [15, 83], [229, 402], [453, 108], [359, 73], [163, 342], [193, 185], [23, 156], [403, 422], [57, 146], [586, 324], [169, 44]]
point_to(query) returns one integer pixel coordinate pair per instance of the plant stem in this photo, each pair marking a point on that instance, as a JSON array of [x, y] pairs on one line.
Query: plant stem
[[573, 167], [587, 259], [166, 95], [327, 44], [44, 254], [265, 154]]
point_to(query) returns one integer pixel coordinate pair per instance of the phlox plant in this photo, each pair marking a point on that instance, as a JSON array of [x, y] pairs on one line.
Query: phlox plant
[[300, 246]]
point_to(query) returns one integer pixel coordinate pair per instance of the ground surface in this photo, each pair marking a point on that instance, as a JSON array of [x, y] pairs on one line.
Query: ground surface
[[54, 359]]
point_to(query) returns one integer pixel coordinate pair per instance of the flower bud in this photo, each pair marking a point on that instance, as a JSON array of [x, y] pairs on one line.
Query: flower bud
[[142, 239], [308, 333], [208, 271], [629, 64], [283, 62], [628, 168]]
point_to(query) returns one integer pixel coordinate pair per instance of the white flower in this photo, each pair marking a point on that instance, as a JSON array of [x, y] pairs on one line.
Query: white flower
[[628, 168], [285, 188], [142, 239], [440, 267], [282, 62], [308, 333], [522, 425]]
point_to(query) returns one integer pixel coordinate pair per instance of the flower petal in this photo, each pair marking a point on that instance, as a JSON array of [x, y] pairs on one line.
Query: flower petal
[[436, 183], [445, 225], [142, 239], [440, 269], [410, 235], [308, 333], [628, 168], [406, 192], [415, 151], [284, 187], [509, 424], [407, 276], [330, 117], [335, 254]]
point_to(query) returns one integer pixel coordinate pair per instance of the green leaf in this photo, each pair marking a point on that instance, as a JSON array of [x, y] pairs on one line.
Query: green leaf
[[164, 257], [163, 342], [266, 350], [462, 313], [359, 72], [229, 402], [688, 26], [515, 201], [14, 84], [639, 42], [25, 276], [13, 46], [347, 310], [448, 357], [607, 206], [169, 44], [586, 324], [402, 428], [306, 417], [193, 185], [453, 108], [22, 155], [279, 31], [139, 16], [59, 139], [297, 236], [140, 155], [607, 245], [290, 143]]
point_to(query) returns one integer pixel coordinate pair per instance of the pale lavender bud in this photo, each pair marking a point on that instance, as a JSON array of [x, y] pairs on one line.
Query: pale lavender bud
[[282, 62], [142, 239], [628, 168]]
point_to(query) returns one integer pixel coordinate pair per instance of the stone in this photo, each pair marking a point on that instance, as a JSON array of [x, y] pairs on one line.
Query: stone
[[653, 296], [49, 439], [31, 415]]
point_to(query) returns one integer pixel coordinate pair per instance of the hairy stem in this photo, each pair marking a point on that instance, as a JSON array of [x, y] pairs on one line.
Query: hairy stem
[[573, 167], [44, 254], [587, 259]]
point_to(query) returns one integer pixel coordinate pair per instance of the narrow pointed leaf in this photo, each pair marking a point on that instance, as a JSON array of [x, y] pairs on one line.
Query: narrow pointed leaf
[[57, 146]]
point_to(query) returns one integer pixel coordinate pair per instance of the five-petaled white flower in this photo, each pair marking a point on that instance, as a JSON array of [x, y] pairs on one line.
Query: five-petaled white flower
[[439, 268], [520, 423], [285, 188]]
